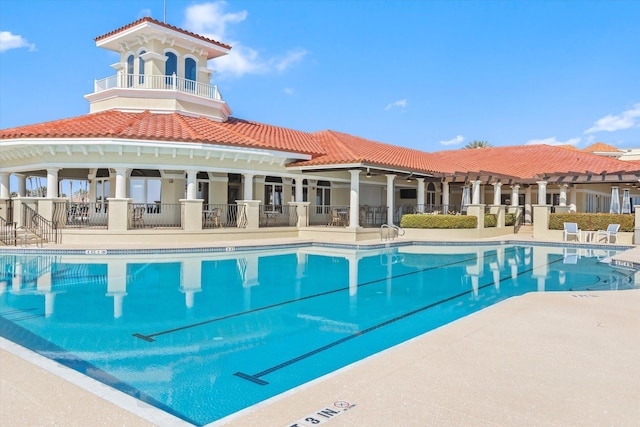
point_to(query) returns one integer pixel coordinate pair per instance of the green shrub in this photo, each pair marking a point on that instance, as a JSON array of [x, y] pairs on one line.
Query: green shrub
[[490, 220], [438, 221], [591, 221], [509, 219]]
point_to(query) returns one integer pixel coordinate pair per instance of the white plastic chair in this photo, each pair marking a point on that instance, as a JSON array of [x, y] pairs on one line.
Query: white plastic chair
[[609, 234], [571, 229]]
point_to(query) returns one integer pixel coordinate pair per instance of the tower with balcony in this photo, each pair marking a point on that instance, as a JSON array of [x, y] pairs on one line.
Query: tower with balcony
[[162, 69]]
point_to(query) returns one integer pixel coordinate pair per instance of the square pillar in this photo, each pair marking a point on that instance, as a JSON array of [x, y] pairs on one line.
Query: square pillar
[[540, 220], [477, 211], [191, 211], [302, 209], [119, 212], [499, 211], [249, 218]]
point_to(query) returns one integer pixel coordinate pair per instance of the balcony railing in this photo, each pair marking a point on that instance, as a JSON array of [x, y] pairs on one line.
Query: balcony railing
[[169, 83]]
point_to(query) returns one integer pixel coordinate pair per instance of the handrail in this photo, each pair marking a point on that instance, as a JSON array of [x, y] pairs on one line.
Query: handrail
[[40, 226], [8, 233], [397, 231], [158, 82]]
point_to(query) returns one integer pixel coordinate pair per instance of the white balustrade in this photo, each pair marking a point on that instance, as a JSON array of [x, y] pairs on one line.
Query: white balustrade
[[140, 81]]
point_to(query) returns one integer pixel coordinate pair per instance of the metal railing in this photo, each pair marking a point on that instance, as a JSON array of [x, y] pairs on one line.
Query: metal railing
[[81, 214], [221, 215], [8, 232], [158, 82], [155, 215], [390, 232], [372, 216], [278, 216], [41, 227], [329, 215], [438, 209]]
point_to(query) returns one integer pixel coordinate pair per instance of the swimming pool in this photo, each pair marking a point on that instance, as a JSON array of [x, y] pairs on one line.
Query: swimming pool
[[203, 335]]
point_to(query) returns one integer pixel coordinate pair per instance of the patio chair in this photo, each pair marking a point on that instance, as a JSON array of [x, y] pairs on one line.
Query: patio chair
[[212, 218], [336, 219], [609, 234], [137, 217], [571, 229]]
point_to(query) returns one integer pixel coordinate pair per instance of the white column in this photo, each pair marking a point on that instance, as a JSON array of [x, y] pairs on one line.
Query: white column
[[542, 192], [248, 186], [563, 194], [298, 183], [192, 188], [420, 199], [4, 185], [354, 199], [445, 197], [514, 194], [497, 193], [52, 183], [573, 196], [475, 192], [22, 185], [121, 183], [527, 205], [390, 198]]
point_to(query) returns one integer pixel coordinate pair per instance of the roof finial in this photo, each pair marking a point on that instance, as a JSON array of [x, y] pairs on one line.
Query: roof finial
[[164, 16]]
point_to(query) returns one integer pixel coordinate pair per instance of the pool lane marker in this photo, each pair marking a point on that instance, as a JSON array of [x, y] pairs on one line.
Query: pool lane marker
[[255, 378], [150, 337]]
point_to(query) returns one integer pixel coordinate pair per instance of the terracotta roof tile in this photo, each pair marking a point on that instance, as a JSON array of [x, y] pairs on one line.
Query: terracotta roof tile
[[162, 24], [171, 127], [600, 147], [530, 161], [342, 148]]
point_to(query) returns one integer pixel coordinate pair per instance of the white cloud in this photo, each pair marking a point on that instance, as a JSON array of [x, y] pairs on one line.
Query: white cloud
[[211, 21], [627, 119], [457, 140], [12, 41], [288, 91], [554, 141], [402, 103], [292, 57]]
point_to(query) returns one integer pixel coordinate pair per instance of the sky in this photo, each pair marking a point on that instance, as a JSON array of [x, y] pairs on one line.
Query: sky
[[430, 75]]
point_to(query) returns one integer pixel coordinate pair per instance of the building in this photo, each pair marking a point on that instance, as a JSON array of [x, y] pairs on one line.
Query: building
[[161, 154]]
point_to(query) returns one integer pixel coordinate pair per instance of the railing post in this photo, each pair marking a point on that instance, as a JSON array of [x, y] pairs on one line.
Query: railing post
[[174, 82]]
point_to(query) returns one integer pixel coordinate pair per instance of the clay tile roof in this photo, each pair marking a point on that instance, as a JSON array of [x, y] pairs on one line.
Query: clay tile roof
[[531, 161], [600, 147], [342, 148], [162, 24], [171, 127]]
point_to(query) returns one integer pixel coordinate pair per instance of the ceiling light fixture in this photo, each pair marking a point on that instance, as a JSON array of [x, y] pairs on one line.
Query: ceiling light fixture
[[368, 173]]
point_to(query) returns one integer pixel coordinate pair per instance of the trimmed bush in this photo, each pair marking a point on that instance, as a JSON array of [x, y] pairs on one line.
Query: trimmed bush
[[509, 219], [490, 220], [591, 221], [438, 221]]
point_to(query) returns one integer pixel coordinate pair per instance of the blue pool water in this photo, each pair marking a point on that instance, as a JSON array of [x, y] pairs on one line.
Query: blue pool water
[[203, 335]]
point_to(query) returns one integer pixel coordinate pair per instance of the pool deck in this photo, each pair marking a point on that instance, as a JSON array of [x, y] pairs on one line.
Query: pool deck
[[560, 358]]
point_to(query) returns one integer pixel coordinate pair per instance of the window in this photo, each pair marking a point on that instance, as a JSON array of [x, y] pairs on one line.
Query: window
[[141, 67], [171, 67], [145, 188], [129, 71], [431, 194], [190, 74], [273, 194], [323, 197]]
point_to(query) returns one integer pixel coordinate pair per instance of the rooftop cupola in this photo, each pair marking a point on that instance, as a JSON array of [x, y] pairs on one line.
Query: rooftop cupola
[[162, 69]]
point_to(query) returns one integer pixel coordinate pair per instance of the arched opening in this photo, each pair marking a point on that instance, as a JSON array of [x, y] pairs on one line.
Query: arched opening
[[170, 68]]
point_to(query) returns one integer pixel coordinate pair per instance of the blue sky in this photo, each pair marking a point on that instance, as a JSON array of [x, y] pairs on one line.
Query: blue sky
[[430, 75]]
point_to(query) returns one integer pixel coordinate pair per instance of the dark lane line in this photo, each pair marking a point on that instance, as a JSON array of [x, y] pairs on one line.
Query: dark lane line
[[256, 377], [150, 337]]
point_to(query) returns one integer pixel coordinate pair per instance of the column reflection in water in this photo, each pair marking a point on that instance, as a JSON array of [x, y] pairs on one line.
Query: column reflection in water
[[43, 286], [541, 265], [117, 284], [248, 268], [190, 279]]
